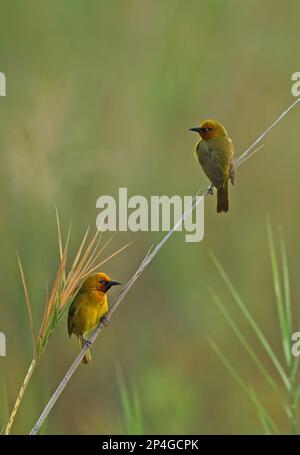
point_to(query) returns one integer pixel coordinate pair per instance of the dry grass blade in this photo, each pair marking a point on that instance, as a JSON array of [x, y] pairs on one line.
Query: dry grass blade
[[51, 301], [94, 257], [28, 306], [79, 252], [107, 259], [59, 234], [86, 255], [95, 253], [75, 276], [23, 388], [88, 252]]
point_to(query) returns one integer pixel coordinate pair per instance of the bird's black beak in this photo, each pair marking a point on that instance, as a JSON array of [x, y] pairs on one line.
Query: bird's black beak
[[197, 129], [112, 283]]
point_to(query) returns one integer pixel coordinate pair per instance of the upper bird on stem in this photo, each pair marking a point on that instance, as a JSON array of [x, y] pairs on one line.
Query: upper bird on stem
[[215, 153]]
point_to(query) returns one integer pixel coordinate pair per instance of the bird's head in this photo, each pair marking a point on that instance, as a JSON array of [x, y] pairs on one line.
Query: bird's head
[[98, 282], [209, 129]]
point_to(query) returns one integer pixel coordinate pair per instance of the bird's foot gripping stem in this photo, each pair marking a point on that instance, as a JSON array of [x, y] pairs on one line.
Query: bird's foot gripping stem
[[105, 320], [211, 190], [88, 343]]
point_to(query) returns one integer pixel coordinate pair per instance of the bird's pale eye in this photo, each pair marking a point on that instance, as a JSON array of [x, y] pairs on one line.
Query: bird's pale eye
[[206, 130], [103, 282]]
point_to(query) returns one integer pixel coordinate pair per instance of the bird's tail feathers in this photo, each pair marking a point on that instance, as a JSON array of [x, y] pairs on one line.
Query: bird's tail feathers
[[222, 199]]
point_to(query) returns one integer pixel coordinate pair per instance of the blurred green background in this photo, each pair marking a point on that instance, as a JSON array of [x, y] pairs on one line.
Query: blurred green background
[[101, 94]]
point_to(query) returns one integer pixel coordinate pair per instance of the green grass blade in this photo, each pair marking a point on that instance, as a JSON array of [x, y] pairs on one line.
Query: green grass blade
[[245, 344], [294, 397], [131, 406], [267, 426], [127, 412], [283, 324], [260, 409], [137, 411], [241, 305], [286, 284]]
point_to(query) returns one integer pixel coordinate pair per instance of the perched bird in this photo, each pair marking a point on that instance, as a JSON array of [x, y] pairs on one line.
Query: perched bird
[[89, 306], [215, 153]]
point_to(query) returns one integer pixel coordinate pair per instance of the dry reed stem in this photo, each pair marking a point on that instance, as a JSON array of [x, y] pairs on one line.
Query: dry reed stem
[[20, 396]]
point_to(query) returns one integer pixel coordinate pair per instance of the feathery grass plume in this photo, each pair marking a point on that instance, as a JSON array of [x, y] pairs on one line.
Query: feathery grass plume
[[67, 284], [65, 287], [287, 374], [132, 414]]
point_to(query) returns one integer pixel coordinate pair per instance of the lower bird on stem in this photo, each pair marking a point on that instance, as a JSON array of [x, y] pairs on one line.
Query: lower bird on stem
[[88, 308]]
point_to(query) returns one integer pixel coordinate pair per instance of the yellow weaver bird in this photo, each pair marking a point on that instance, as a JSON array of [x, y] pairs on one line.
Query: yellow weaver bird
[[215, 153], [89, 306]]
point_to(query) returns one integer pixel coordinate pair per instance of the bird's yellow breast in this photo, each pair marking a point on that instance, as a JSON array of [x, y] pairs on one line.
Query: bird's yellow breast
[[215, 156], [89, 308]]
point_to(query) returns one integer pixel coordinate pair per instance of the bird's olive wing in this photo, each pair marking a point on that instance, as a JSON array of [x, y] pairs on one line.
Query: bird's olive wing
[[232, 164], [232, 171]]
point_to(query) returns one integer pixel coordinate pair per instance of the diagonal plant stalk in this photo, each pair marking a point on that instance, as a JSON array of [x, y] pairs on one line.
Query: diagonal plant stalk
[[286, 284], [33, 363], [4, 402], [267, 421], [294, 397], [264, 342], [23, 388], [146, 261], [283, 318], [64, 289], [246, 345]]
